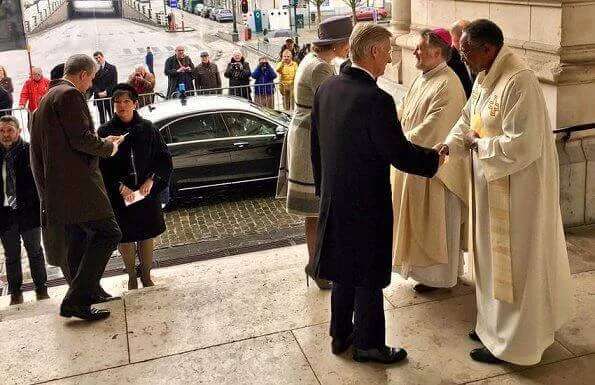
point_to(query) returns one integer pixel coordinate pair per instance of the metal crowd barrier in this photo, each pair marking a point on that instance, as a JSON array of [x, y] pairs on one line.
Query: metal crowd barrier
[[104, 106], [257, 93], [23, 115]]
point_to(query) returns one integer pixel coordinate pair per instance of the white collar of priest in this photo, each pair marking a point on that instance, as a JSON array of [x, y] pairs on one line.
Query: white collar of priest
[[434, 71], [353, 65]]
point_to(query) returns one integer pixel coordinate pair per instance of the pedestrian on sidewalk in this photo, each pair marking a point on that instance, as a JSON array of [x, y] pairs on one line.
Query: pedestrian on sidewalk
[[34, 89], [296, 181], [306, 49], [264, 89], [144, 83], [149, 60], [105, 80], [19, 217], [79, 229], [143, 165], [287, 69], [356, 137], [238, 72], [206, 75], [6, 90], [291, 46], [178, 69]]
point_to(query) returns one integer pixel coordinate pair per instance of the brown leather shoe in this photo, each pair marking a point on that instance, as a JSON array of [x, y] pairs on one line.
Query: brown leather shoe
[[322, 284], [16, 298]]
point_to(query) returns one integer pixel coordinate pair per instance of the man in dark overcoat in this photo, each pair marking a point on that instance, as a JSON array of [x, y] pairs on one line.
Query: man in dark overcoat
[[356, 137], [79, 229], [105, 80], [178, 69]]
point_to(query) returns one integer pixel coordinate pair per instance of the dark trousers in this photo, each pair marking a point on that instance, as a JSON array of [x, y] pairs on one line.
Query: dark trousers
[[90, 245], [11, 241], [105, 110], [359, 311]]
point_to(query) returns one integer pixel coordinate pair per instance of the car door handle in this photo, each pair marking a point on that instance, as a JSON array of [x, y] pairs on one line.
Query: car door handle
[[240, 144]]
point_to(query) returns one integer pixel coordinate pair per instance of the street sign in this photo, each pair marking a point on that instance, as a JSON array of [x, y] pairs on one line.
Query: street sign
[[173, 4]]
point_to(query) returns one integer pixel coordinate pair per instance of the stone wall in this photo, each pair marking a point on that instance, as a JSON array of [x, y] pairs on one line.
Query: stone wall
[[557, 39], [141, 13], [58, 16]]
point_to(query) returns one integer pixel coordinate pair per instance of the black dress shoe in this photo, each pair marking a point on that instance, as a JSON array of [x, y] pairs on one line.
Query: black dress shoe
[[16, 298], [83, 312], [384, 355], [98, 298], [485, 356], [473, 335], [339, 346], [421, 288]]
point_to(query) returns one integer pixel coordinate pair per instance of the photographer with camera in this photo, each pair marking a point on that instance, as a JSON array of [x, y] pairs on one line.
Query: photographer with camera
[[144, 83], [238, 72], [264, 75]]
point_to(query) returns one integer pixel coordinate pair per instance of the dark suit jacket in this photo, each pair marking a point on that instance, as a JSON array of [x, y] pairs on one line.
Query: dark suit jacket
[[460, 69], [105, 80], [27, 199], [356, 136], [174, 77], [65, 153]]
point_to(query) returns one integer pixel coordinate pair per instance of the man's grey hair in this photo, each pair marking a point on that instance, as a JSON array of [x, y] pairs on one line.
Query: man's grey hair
[[9, 119], [139, 67], [364, 37], [436, 41], [79, 63], [36, 70]]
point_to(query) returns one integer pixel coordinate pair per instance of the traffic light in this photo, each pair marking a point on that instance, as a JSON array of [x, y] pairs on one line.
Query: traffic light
[[244, 6]]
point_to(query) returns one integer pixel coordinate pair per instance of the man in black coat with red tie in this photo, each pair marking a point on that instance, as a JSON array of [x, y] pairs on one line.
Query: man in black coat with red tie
[[356, 137]]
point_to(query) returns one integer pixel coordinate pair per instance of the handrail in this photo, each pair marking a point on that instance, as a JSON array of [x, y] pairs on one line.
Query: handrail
[[567, 131]]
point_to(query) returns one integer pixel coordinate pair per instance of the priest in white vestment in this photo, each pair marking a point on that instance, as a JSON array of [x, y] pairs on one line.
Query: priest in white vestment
[[429, 214], [521, 265]]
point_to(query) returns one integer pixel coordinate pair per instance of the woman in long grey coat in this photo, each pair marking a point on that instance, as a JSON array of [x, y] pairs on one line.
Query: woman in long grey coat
[[296, 181]]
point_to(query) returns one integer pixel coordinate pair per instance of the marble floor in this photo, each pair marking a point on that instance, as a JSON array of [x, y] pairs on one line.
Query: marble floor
[[251, 319]]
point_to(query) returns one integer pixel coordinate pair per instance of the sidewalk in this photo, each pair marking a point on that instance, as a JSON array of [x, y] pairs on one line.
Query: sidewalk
[[250, 319]]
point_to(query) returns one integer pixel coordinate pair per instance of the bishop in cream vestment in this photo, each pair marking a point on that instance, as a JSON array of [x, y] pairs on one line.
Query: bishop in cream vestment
[[429, 213], [521, 265]]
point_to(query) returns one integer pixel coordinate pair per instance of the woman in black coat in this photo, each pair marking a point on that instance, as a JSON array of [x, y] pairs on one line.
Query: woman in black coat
[[238, 72], [140, 169]]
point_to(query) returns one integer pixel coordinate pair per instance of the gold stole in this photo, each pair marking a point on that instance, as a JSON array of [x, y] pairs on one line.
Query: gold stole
[[499, 206]]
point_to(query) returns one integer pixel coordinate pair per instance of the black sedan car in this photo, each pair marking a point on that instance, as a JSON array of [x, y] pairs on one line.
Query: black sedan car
[[218, 141]]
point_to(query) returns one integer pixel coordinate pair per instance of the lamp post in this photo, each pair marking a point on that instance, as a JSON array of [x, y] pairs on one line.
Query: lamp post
[[234, 34]]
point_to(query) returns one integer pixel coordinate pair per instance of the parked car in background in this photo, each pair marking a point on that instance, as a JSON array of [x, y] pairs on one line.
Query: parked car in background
[[224, 15], [198, 9], [367, 13], [206, 11], [218, 141], [213, 13]]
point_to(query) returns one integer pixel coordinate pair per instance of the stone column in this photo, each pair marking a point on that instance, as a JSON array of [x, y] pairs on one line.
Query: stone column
[[400, 21]]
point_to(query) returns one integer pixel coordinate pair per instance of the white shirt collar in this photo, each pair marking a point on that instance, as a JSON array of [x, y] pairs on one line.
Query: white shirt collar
[[353, 65]]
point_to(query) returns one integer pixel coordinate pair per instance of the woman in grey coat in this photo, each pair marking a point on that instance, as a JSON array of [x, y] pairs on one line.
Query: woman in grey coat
[[296, 181]]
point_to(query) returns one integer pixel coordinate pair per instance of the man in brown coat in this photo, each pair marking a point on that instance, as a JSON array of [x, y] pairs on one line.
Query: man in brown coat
[[65, 153]]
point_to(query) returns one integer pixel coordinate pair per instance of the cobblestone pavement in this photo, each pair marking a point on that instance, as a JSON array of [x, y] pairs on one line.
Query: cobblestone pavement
[[214, 225]]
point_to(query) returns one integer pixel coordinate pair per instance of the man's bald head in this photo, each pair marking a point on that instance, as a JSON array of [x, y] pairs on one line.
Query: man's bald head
[[456, 31]]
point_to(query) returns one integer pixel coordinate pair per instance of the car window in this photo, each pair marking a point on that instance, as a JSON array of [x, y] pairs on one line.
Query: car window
[[246, 125], [196, 128]]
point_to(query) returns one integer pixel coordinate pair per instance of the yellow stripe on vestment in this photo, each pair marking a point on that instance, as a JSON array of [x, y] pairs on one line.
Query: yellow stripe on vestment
[[499, 206]]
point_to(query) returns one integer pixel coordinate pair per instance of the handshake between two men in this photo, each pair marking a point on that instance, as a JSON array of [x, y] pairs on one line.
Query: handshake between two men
[[470, 141]]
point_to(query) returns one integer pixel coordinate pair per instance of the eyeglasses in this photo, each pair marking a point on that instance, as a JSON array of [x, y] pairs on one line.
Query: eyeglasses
[[466, 53]]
